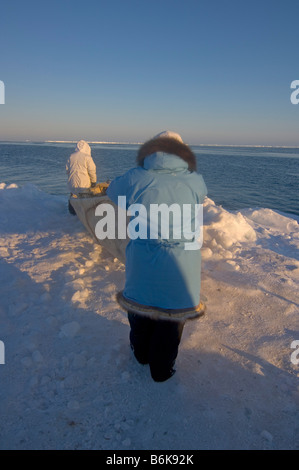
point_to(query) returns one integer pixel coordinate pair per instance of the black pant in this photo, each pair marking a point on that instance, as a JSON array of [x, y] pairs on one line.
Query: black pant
[[155, 342]]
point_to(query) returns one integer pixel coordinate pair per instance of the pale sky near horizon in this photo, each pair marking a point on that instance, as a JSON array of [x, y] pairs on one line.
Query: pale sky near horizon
[[217, 72]]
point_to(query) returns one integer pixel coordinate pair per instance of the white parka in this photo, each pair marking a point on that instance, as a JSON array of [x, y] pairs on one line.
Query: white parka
[[80, 168]]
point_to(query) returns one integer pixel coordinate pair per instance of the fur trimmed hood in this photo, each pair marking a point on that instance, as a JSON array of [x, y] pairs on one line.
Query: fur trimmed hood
[[168, 145]]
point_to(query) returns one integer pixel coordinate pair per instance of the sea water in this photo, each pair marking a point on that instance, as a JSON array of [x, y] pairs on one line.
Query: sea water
[[236, 177]]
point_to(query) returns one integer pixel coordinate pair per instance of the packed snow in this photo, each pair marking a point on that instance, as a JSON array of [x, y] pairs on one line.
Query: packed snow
[[70, 380]]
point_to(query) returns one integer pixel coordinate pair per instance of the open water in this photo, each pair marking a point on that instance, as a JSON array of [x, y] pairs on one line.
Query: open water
[[236, 177]]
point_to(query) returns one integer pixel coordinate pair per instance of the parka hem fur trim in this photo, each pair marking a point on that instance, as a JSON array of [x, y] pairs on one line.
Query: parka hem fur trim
[[158, 313], [167, 145]]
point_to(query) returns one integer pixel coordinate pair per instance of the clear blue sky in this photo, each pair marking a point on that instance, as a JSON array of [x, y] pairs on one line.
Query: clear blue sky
[[217, 72]]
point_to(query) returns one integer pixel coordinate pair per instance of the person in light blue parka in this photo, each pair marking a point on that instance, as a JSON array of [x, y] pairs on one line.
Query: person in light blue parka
[[162, 287]]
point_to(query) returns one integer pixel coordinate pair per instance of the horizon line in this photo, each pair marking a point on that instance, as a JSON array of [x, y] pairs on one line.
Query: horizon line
[[140, 143]]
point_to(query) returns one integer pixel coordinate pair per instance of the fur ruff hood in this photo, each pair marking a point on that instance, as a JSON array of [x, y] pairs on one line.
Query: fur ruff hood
[[167, 145]]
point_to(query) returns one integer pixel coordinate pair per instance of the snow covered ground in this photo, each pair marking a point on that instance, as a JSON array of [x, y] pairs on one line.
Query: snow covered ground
[[70, 381]]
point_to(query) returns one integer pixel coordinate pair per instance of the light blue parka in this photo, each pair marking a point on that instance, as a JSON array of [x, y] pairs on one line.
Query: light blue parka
[[161, 273]]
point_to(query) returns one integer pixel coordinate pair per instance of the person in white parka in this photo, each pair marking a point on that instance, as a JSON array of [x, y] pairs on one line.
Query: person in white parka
[[81, 170]]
